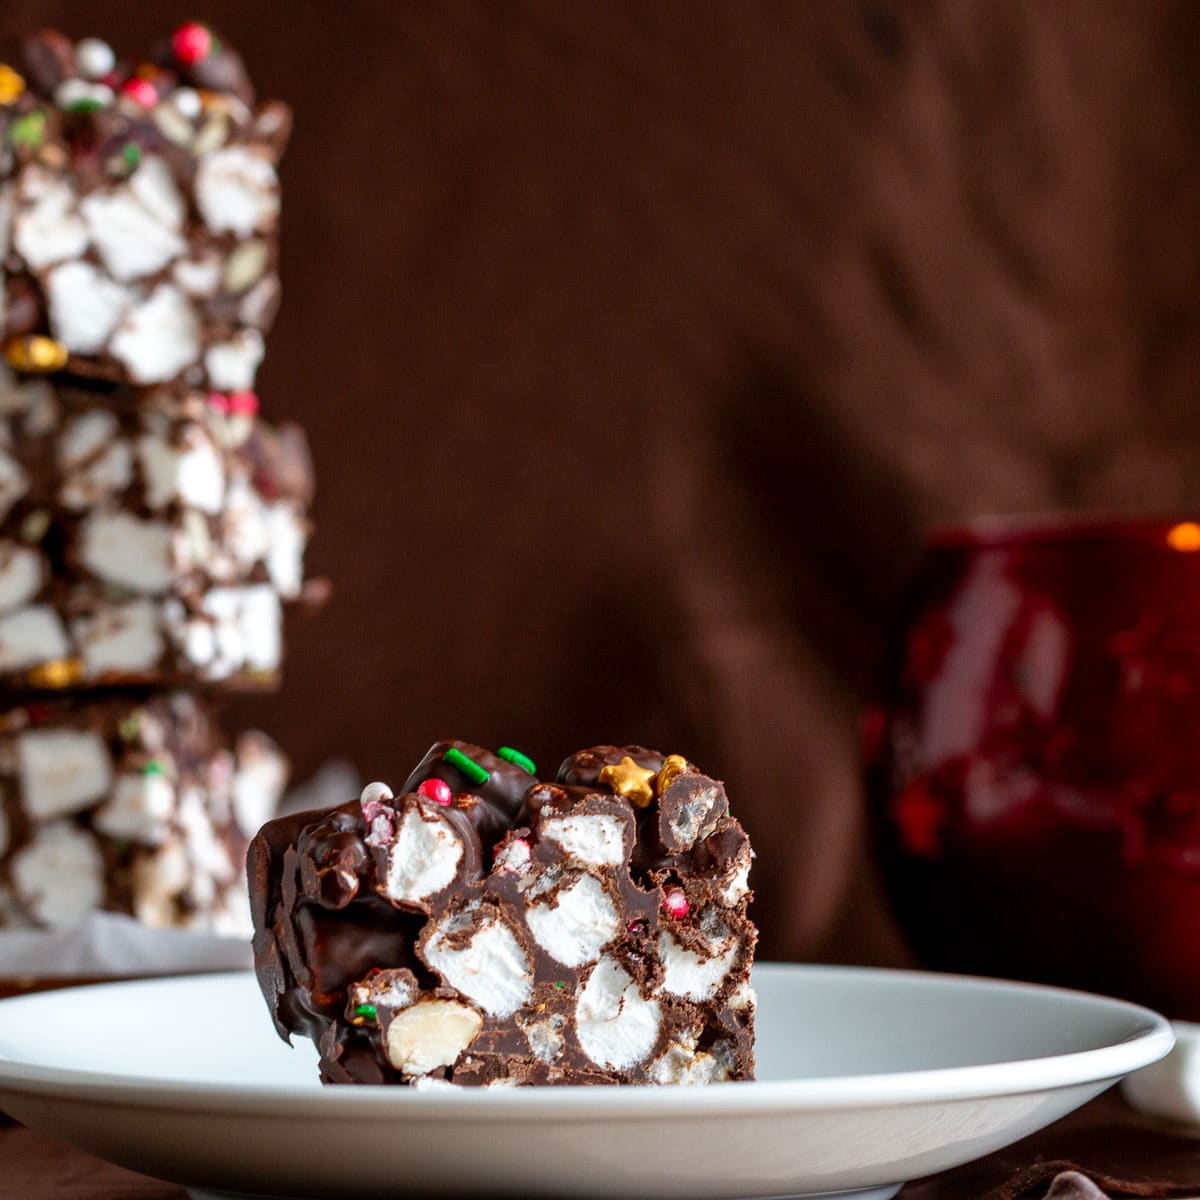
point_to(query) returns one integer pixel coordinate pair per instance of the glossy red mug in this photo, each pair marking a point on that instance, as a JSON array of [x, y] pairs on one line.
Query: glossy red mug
[[1033, 761]]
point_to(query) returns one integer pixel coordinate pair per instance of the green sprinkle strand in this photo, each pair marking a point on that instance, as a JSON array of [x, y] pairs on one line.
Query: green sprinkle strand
[[469, 767], [517, 759], [28, 130], [367, 1010]]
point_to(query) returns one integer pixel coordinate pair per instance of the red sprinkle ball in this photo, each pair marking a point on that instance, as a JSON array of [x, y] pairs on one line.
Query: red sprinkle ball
[[245, 403], [675, 902], [141, 91], [192, 43], [437, 790]]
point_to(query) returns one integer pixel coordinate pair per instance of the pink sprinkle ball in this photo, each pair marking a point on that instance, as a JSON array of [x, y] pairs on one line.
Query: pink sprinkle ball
[[437, 790], [192, 43], [140, 91], [244, 403], [675, 902]]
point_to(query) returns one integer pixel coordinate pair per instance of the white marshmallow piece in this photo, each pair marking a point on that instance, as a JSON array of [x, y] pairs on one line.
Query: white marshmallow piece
[[424, 858], [575, 923], [159, 337], [123, 639], [246, 629], [616, 1025], [59, 876], [135, 226], [21, 574], [232, 365], [85, 306], [139, 810], [287, 536], [695, 976], [124, 550], [596, 840], [237, 191], [61, 771], [490, 969], [30, 636], [14, 483], [47, 228], [193, 473]]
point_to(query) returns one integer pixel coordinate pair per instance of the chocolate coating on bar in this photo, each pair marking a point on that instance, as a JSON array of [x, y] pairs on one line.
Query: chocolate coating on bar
[[577, 949]]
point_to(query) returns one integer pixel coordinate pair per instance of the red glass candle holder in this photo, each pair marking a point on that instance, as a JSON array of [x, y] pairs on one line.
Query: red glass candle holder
[[1033, 763]]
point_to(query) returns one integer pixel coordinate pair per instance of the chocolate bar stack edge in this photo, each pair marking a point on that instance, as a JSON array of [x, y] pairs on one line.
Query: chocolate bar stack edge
[[152, 524]]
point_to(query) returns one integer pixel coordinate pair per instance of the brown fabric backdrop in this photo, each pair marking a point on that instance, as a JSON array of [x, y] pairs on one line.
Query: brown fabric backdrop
[[638, 342]]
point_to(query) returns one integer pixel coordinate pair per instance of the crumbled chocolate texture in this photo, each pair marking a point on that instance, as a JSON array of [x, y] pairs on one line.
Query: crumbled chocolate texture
[[146, 537], [130, 804], [506, 931], [139, 214]]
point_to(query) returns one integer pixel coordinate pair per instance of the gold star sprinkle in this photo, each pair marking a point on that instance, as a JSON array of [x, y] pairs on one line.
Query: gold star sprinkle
[[629, 780], [11, 85], [673, 766]]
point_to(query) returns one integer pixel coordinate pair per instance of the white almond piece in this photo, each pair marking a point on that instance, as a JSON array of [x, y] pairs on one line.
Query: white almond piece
[[258, 782], [21, 574], [287, 536], [691, 975], [232, 365], [124, 639], [159, 337], [61, 770], [574, 924], [85, 306], [30, 636], [14, 483], [135, 226], [616, 1026], [59, 876], [545, 1037], [424, 858], [139, 810], [431, 1033], [127, 551], [597, 840], [47, 228], [491, 968], [237, 191]]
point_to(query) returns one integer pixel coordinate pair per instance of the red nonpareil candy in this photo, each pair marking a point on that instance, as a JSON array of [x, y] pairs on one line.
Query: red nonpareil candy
[[192, 43], [675, 903], [437, 790], [141, 91]]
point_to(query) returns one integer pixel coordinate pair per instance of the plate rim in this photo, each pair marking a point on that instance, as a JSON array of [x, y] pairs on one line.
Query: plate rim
[[1147, 1044]]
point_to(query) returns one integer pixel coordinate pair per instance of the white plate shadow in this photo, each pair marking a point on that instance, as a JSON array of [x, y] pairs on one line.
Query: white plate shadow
[[867, 1079]]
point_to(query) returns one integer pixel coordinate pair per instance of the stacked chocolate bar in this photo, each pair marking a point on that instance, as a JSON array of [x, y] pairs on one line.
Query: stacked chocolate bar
[[152, 525]]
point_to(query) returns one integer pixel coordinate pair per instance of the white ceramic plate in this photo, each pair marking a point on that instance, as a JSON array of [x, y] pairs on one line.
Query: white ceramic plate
[[867, 1079]]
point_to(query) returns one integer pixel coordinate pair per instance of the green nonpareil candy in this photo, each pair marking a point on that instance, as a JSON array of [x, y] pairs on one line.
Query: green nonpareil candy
[[153, 767], [366, 1010], [132, 153], [469, 767], [517, 759], [28, 130]]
